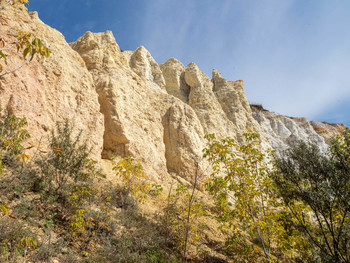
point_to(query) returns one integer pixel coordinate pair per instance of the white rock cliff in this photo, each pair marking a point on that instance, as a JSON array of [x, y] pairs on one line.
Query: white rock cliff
[[127, 104]]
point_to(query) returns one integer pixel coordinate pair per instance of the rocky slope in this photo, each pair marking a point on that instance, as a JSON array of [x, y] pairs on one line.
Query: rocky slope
[[127, 104]]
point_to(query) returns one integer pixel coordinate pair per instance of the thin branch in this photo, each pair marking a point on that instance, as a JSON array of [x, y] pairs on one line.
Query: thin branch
[[167, 214], [189, 214], [5, 49], [331, 230], [13, 71], [9, 2], [322, 230], [306, 230], [264, 210], [339, 234]]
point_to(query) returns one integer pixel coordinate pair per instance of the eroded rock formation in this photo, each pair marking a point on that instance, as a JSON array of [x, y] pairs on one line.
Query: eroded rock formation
[[132, 124], [282, 131], [48, 90], [127, 104]]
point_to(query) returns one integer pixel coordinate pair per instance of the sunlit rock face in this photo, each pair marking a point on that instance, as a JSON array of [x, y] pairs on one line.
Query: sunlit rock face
[[48, 90], [174, 72], [328, 130], [234, 103], [127, 104], [133, 126], [282, 132], [161, 113], [144, 65]]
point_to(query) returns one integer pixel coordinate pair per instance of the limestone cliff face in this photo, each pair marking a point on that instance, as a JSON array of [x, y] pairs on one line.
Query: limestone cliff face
[[282, 131], [48, 90], [161, 113], [129, 105], [234, 103], [132, 124], [174, 72]]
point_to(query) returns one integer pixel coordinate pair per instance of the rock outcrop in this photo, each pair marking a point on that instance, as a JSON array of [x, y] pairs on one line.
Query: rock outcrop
[[282, 131], [233, 101], [328, 130], [204, 102], [48, 90], [132, 124], [144, 65], [160, 113], [174, 72], [127, 104]]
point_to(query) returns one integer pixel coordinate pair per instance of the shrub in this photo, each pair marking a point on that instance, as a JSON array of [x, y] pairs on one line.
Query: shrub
[[67, 160], [245, 196], [26, 42], [12, 135], [15, 240], [133, 176], [316, 189]]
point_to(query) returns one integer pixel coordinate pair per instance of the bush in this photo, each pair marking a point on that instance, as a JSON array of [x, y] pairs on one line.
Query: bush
[[12, 135], [140, 240], [13, 236], [67, 159], [316, 189], [245, 198]]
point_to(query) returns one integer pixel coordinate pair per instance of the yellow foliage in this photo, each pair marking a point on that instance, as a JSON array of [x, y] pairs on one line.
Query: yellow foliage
[[133, 176], [23, 157], [28, 242]]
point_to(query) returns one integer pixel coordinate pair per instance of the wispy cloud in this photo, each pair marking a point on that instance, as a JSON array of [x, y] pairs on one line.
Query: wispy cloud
[[292, 55]]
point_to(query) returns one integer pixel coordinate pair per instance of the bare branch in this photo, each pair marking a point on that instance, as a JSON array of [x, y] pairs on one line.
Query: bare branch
[[5, 49], [8, 3], [13, 71]]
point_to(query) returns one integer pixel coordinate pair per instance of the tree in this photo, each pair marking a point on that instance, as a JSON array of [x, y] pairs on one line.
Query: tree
[[316, 189], [245, 196], [183, 215]]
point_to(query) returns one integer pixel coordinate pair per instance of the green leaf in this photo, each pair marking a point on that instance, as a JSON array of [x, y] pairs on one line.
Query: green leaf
[[33, 53], [25, 52], [4, 209], [2, 55]]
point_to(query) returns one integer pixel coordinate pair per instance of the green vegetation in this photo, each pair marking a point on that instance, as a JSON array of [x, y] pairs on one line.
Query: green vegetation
[[247, 205], [289, 209], [295, 212], [182, 218], [56, 204], [316, 189], [58, 190]]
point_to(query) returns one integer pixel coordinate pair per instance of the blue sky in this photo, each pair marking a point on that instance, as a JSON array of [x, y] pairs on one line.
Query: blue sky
[[293, 55]]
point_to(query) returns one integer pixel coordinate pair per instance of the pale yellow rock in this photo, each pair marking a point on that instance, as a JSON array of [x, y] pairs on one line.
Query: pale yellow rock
[[174, 73], [129, 105], [183, 138], [234, 103], [328, 130], [144, 65], [132, 125], [203, 100], [51, 89]]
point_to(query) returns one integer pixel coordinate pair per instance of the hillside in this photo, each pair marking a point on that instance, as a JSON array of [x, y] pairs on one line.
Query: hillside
[[126, 104]]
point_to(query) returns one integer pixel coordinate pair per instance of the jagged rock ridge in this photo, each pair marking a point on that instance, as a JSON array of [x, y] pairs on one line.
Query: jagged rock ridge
[[130, 105]]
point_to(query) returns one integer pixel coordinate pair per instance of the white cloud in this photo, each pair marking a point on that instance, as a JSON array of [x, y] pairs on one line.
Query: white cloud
[[292, 55]]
